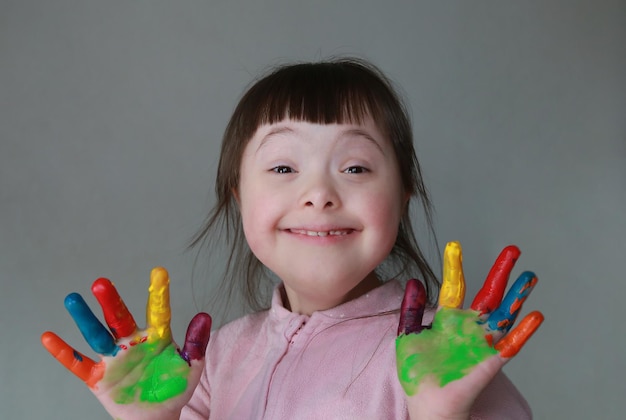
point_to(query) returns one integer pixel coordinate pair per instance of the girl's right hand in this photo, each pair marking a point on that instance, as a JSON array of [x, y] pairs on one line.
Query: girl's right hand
[[142, 373]]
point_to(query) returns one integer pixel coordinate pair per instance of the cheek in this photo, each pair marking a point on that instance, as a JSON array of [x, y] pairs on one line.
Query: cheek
[[258, 216], [384, 212], [385, 206], [389, 222]]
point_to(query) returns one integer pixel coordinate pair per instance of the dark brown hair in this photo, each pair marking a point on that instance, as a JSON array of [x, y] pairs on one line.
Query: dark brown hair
[[336, 91]]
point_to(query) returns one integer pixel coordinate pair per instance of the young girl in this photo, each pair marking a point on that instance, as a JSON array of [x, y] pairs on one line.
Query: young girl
[[316, 176]]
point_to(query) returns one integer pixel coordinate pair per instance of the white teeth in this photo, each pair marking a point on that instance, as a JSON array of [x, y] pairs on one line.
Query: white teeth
[[323, 233]]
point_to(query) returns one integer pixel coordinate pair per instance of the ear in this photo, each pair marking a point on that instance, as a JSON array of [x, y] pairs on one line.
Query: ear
[[235, 193]]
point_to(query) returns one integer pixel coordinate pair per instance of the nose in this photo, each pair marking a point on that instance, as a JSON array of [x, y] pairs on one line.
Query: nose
[[320, 193]]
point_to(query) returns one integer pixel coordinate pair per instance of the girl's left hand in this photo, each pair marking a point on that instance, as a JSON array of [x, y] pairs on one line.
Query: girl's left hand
[[443, 368]]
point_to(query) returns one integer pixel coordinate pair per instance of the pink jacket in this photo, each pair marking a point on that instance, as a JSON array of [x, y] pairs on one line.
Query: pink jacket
[[335, 364]]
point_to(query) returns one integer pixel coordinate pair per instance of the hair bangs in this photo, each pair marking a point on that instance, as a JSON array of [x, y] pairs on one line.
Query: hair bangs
[[324, 93]]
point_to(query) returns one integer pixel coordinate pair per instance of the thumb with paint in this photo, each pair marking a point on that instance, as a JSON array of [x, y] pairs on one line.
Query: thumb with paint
[[142, 373]]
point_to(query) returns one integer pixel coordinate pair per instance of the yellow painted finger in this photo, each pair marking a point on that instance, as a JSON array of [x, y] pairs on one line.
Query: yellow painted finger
[[452, 291], [158, 313]]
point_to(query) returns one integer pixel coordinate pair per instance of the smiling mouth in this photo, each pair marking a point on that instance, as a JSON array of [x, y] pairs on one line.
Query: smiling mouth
[[340, 232]]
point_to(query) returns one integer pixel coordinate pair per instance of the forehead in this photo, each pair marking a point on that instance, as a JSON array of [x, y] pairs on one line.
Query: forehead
[[366, 129]]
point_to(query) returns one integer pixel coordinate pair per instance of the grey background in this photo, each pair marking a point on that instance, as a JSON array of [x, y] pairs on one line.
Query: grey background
[[111, 114]]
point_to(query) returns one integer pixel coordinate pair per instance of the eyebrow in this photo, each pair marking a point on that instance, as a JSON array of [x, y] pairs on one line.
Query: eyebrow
[[364, 134], [274, 132]]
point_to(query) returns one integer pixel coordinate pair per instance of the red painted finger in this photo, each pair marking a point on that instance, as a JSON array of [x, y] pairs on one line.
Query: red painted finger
[[513, 342], [197, 337], [80, 365], [490, 295], [117, 316], [412, 309]]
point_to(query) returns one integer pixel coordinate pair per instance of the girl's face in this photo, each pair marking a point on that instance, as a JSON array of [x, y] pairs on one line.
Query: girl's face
[[320, 206]]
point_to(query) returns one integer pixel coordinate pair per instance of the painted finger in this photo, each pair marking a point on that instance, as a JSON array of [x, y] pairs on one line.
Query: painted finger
[[197, 338], [513, 342], [96, 334], [490, 295], [117, 316], [452, 291], [412, 309], [80, 365], [502, 319], [158, 313]]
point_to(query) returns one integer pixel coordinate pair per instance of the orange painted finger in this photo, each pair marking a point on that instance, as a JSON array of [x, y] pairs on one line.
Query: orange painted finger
[[117, 316], [452, 291], [80, 365], [158, 313], [513, 342]]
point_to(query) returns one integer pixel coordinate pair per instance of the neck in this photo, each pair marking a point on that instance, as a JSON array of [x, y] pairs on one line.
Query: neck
[[306, 304]]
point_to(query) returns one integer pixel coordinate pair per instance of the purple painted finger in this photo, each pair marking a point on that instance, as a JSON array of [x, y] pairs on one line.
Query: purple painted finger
[[197, 337], [412, 309]]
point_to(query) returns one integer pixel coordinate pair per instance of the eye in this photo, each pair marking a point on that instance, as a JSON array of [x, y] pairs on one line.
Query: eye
[[282, 169], [355, 170]]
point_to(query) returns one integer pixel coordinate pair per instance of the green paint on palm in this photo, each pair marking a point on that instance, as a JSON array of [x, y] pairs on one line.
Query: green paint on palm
[[159, 377], [446, 352]]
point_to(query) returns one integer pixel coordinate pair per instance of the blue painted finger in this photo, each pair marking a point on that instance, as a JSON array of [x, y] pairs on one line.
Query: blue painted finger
[[503, 318], [96, 334]]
